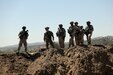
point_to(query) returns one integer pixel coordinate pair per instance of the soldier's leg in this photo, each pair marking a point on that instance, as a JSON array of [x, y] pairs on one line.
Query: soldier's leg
[[82, 39], [52, 44], [79, 39], [87, 37], [47, 44], [76, 39], [72, 40], [69, 42], [60, 42], [20, 45], [90, 38], [63, 42], [25, 45]]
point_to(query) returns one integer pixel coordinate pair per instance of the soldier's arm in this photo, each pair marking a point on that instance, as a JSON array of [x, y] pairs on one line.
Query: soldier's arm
[[20, 33], [27, 32]]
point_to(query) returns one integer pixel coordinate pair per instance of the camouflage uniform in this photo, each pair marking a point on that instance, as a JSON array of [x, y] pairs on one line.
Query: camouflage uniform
[[81, 35], [88, 31], [48, 35], [77, 34], [71, 32], [61, 33], [23, 35]]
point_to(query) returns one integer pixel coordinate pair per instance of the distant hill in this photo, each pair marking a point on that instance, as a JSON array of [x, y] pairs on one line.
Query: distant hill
[[13, 48], [106, 40]]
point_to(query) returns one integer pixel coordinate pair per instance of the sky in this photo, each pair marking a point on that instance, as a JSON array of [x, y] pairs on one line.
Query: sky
[[37, 14]]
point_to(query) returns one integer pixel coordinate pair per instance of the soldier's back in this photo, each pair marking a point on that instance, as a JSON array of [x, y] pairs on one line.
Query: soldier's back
[[23, 35], [48, 34]]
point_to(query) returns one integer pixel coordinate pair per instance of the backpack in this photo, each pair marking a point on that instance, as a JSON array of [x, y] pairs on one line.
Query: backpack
[[70, 30], [61, 32]]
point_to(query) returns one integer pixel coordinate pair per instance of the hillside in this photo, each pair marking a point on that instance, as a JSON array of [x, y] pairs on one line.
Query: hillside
[[13, 48], [106, 40], [79, 60]]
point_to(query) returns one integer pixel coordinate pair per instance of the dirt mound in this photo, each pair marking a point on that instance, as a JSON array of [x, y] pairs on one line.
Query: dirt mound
[[79, 60], [11, 64]]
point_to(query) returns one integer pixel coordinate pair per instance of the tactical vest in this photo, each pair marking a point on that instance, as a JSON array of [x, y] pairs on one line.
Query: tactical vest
[[23, 35], [48, 35], [61, 32]]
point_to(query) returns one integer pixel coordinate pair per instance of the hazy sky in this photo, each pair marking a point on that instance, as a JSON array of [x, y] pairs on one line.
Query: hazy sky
[[37, 14]]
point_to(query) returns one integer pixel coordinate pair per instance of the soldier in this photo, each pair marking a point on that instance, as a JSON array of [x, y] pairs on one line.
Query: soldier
[[23, 35], [77, 34], [61, 34], [48, 37], [81, 35], [71, 32], [88, 31]]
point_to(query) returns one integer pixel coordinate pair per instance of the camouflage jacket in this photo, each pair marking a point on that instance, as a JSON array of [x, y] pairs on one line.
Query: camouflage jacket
[[61, 32], [71, 30], [23, 34], [89, 29], [48, 35], [77, 29]]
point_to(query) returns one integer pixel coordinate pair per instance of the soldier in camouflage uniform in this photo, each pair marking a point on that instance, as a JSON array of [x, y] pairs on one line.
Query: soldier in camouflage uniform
[[77, 34], [71, 32], [88, 31], [61, 34], [81, 35], [23, 35], [48, 37]]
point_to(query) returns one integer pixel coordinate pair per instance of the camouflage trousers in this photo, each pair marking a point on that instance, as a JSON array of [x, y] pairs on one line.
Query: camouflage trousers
[[49, 42], [88, 36], [61, 41], [71, 41], [77, 39], [24, 42], [81, 39]]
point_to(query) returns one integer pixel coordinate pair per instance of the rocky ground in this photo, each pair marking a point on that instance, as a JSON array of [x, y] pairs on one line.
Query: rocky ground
[[79, 60]]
